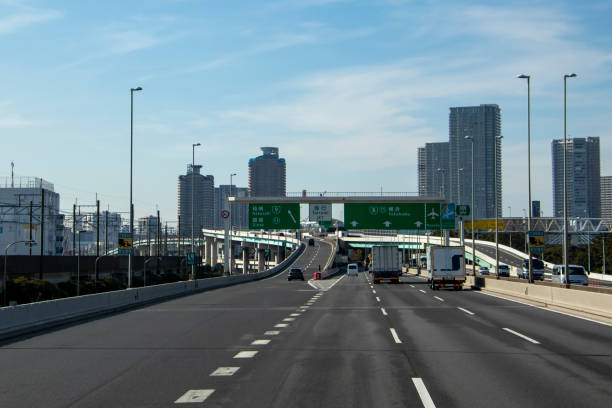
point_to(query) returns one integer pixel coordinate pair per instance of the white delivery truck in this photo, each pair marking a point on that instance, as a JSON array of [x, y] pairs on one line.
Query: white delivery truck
[[446, 267], [386, 263]]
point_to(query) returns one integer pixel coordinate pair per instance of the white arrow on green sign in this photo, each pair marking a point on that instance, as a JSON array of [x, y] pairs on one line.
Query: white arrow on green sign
[[392, 216], [271, 216]]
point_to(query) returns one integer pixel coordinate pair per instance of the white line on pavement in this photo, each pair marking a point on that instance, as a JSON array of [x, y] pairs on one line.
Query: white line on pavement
[[281, 325], [384, 312], [412, 286], [421, 290], [377, 299], [439, 298], [395, 336], [548, 310], [246, 354], [294, 314], [423, 393], [272, 333], [289, 319], [262, 342], [521, 335], [194, 396], [224, 371], [373, 291], [466, 311]]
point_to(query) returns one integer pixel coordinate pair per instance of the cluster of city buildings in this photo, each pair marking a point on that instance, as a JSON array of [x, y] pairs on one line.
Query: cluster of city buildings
[[473, 152], [30, 211]]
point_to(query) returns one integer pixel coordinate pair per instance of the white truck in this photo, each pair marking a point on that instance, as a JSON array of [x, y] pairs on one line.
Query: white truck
[[446, 267], [386, 263]]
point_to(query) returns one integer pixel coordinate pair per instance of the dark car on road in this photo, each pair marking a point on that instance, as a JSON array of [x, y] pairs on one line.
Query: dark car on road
[[295, 273], [311, 242]]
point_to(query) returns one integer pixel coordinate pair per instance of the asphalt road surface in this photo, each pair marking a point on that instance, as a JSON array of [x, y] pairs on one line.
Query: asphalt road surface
[[342, 342]]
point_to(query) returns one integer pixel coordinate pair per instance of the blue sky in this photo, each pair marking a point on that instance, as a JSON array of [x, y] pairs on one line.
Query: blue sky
[[346, 89]]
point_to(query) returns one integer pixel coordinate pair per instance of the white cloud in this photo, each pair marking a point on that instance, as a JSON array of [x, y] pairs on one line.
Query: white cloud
[[26, 17]]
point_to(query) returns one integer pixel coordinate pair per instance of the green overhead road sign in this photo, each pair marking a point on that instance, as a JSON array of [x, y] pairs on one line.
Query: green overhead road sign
[[274, 216], [392, 216], [462, 210]]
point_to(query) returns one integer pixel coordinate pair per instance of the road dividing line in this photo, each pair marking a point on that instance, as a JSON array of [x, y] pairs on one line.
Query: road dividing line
[[423, 393], [439, 298], [395, 336], [289, 319], [521, 335], [272, 333], [412, 286], [224, 371], [194, 396], [421, 290], [466, 311], [262, 342], [337, 280], [377, 299], [384, 312], [294, 314], [280, 325], [246, 354], [373, 291]]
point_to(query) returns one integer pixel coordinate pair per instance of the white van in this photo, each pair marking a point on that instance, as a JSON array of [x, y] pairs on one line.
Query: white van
[[352, 269], [577, 274]]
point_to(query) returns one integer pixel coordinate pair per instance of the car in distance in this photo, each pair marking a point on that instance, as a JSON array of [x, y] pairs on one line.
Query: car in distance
[[352, 269], [295, 273], [311, 242], [537, 267], [504, 270], [577, 274], [483, 270]]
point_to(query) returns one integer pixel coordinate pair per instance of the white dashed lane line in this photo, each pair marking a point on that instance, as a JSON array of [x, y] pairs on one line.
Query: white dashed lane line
[[192, 396], [384, 312], [421, 290], [466, 311], [439, 298], [246, 354], [395, 336], [281, 325], [521, 335], [224, 371], [423, 393], [261, 342], [272, 333]]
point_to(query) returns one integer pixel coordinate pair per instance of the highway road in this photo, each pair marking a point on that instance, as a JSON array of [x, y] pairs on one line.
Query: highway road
[[342, 342]]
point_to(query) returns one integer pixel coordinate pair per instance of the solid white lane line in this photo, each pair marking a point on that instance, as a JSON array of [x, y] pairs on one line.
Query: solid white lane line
[[384, 312], [262, 342], [281, 325], [439, 298], [395, 336], [548, 310], [246, 354], [194, 396], [224, 371], [423, 393], [338, 280], [377, 299], [272, 333], [421, 290], [521, 335], [466, 311]]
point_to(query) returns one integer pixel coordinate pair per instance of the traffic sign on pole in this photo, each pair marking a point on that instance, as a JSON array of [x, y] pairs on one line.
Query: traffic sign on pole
[[462, 210], [536, 242], [124, 245], [385, 216], [273, 216]]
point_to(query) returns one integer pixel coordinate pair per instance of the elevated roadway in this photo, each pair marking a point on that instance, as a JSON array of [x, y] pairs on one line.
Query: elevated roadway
[[274, 343]]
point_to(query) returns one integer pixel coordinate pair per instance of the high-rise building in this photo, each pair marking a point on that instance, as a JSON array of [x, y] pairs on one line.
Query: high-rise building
[[267, 174], [606, 197], [203, 188], [433, 170], [239, 212], [16, 196], [483, 124], [583, 177]]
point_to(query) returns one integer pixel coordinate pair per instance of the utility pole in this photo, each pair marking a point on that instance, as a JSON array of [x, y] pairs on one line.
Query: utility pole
[[74, 225], [42, 230], [158, 234], [30, 249], [97, 228], [106, 232]]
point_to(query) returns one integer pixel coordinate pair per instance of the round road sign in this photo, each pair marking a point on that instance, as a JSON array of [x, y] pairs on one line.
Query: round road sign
[[225, 214]]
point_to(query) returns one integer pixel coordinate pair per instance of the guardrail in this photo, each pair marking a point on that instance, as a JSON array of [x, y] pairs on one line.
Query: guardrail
[[21, 319]]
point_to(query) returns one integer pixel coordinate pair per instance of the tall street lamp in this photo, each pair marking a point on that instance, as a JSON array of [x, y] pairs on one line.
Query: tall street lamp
[[497, 139], [565, 175], [471, 139], [442, 189], [193, 146], [131, 255], [4, 288], [229, 207], [528, 78]]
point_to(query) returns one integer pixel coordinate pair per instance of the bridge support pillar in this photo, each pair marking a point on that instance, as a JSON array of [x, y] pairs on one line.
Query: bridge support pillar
[[208, 254], [214, 251], [261, 260]]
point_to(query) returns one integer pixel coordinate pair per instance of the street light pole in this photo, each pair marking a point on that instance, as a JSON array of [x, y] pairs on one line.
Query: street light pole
[[528, 78], [442, 189], [193, 146], [565, 176], [4, 288], [229, 205], [131, 255], [471, 139], [496, 211]]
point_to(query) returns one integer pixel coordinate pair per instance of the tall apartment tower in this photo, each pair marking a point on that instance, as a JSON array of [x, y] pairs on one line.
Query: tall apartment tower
[[606, 197], [267, 174], [203, 188], [583, 177], [433, 170], [483, 124]]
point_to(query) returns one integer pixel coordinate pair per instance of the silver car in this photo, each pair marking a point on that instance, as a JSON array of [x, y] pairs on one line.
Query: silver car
[[483, 270]]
